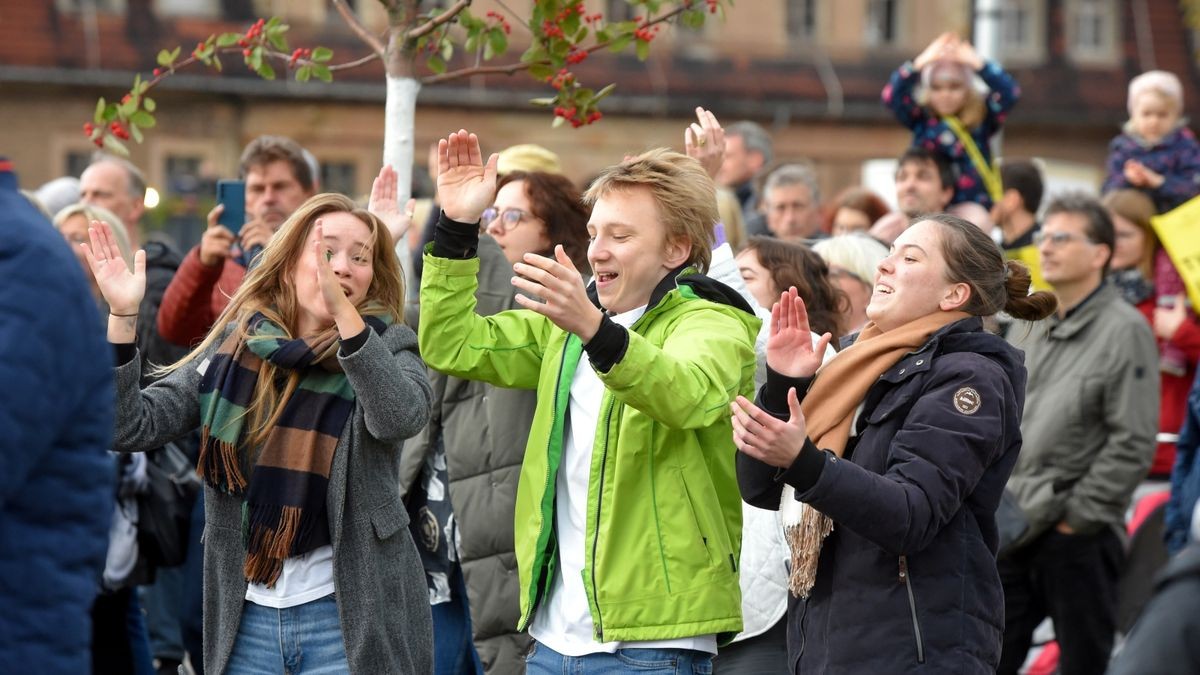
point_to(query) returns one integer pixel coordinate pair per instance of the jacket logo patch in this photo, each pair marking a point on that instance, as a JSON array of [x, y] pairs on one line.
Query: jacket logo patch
[[967, 401]]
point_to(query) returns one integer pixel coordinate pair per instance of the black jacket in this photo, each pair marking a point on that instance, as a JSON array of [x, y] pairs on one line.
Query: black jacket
[[907, 581]]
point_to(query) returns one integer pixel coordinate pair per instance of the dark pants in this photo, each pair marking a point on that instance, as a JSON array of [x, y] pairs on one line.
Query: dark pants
[[453, 646], [1073, 580], [119, 643], [191, 622], [765, 654]]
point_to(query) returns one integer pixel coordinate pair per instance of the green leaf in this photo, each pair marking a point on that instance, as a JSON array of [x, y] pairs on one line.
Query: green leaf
[[322, 73], [165, 58], [498, 41], [265, 71], [303, 73], [216, 61], [136, 133], [619, 44], [471, 44], [142, 119], [436, 64], [603, 35], [256, 58], [545, 102], [541, 71], [110, 113], [148, 104], [272, 22], [322, 54], [126, 109], [604, 92], [534, 54], [114, 146], [98, 117], [447, 50], [692, 18], [278, 41], [643, 50], [223, 40], [175, 54]]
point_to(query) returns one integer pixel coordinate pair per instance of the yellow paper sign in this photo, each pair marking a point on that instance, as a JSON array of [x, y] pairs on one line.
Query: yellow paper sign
[[1029, 255], [1179, 232]]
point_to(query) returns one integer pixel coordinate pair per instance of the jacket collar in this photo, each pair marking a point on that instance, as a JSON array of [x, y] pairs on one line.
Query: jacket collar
[[666, 285], [920, 360], [1082, 315]]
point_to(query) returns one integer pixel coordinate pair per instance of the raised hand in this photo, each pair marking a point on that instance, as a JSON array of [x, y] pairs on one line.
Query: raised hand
[[384, 205], [560, 286], [790, 348], [964, 53], [122, 288], [217, 240], [704, 140], [466, 186], [765, 438], [943, 46]]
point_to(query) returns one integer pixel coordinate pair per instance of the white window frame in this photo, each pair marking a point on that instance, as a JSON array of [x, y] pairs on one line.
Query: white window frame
[[872, 37], [1033, 48], [1107, 12]]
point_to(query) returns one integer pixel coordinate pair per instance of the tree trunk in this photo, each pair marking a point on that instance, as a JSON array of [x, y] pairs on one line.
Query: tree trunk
[[400, 109]]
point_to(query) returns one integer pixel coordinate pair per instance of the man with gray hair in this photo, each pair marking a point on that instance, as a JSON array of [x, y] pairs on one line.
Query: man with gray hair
[[119, 186], [748, 150], [790, 203]]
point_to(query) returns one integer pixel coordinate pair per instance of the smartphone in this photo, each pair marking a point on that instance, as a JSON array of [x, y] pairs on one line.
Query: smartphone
[[232, 195]]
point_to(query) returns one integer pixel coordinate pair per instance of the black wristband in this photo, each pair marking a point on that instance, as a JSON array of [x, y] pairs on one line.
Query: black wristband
[[607, 346], [802, 475], [123, 352], [455, 240], [352, 344], [773, 395]]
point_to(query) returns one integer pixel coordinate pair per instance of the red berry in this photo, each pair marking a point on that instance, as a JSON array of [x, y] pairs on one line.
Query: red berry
[[99, 143], [157, 72], [246, 53], [88, 128]]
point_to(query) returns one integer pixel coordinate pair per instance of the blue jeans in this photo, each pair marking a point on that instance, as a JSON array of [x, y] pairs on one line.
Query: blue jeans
[[302, 639], [542, 660], [453, 647]]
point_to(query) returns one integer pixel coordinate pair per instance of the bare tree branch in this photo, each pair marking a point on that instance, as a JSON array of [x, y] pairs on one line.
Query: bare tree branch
[[355, 25], [518, 67], [429, 26], [355, 63]]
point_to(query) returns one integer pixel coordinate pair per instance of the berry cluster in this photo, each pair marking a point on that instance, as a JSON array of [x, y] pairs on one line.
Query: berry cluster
[[297, 55], [119, 131], [576, 55], [500, 21], [577, 120], [594, 18], [564, 78], [252, 34], [647, 33]]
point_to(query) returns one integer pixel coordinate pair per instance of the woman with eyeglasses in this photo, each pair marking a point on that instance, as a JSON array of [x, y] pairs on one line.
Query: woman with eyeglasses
[[852, 260], [475, 443]]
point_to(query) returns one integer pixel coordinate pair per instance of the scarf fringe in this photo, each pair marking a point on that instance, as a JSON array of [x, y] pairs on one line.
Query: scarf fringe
[[804, 542], [220, 465], [272, 531]]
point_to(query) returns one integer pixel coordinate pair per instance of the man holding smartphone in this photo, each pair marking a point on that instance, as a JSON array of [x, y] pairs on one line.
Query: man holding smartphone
[[278, 179]]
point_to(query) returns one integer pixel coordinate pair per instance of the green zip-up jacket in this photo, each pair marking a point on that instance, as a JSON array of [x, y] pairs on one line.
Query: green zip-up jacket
[[664, 518]]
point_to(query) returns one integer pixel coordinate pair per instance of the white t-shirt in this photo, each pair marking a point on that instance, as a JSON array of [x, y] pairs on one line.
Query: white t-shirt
[[304, 578], [563, 622]]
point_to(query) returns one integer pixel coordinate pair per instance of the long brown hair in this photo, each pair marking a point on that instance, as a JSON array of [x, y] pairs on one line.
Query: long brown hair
[[1136, 207], [269, 289], [791, 264], [557, 202]]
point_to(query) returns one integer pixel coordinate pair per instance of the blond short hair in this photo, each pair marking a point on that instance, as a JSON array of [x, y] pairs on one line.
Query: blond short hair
[[684, 193]]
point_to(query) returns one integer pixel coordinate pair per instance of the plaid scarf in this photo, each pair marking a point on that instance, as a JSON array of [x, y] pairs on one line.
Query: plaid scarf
[[283, 507]]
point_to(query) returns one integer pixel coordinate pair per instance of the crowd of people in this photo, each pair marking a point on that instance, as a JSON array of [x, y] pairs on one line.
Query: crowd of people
[[689, 417]]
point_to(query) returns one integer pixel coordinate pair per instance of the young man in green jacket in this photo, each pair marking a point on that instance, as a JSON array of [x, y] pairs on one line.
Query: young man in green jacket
[[628, 520]]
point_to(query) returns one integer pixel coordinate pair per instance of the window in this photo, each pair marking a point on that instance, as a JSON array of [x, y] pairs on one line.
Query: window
[[619, 10], [339, 177], [77, 161], [83, 6], [205, 9], [883, 22], [801, 19], [1023, 30], [1092, 30], [183, 174]]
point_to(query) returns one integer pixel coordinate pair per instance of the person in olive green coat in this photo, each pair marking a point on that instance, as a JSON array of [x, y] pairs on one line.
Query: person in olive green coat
[[628, 520]]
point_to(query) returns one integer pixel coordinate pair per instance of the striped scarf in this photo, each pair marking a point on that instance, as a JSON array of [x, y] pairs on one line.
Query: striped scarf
[[283, 502]]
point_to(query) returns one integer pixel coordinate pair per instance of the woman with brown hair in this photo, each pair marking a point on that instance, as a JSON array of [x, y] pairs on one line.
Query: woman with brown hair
[[770, 267], [534, 211], [304, 391], [888, 462], [1136, 266], [855, 209]]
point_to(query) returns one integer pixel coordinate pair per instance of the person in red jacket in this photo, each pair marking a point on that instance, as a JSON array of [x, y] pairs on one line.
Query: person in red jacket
[[1136, 264], [279, 178]]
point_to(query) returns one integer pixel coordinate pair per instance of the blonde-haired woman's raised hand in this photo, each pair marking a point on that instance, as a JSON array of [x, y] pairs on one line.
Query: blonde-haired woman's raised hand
[[466, 186], [122, 288], [790, 348]]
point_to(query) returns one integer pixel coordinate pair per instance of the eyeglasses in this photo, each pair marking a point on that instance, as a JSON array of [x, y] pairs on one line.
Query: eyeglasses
[[509, 218], [1057, 239]]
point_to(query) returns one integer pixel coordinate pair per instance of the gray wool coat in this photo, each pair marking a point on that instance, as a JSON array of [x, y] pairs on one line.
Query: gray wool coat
[[382, 599]]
